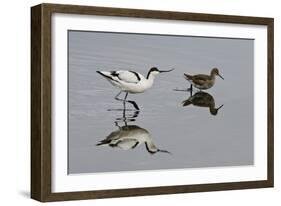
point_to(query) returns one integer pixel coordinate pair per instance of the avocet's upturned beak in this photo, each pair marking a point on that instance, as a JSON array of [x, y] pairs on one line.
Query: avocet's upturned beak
[[164, 151], [221, 76], [161, 71]]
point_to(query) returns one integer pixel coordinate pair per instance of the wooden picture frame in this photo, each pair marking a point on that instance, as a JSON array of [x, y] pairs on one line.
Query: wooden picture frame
[[41, 116]]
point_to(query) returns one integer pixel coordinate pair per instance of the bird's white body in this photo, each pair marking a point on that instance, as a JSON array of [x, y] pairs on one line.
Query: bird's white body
[[128, 137], [129, 81]]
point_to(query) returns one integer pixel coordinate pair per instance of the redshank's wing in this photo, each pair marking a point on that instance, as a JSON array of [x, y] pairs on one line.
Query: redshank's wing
[[186, 103], [200, 79], [187, 76]]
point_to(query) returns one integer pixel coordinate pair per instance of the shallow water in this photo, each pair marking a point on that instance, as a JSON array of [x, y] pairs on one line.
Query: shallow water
[[192, 135]]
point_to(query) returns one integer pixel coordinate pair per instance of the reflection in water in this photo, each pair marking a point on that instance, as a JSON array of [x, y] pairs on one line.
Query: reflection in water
[[130, 136], [202, 99]]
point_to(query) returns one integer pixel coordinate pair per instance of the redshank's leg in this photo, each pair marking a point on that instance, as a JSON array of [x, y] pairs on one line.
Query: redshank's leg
[[190, 88]]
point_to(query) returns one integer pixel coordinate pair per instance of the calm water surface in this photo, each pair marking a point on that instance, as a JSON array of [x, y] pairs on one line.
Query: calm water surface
[[192, 135]]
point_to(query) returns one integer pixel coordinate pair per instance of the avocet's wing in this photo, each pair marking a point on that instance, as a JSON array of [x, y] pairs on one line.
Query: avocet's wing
[[127, 76], [127, 144]]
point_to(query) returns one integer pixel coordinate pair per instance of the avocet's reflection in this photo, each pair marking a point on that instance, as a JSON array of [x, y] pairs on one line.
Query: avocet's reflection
[[129, 137], [202, 99]]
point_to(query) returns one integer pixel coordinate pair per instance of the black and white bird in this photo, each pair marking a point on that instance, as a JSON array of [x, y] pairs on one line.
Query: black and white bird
[[129, 137], [131, 82]]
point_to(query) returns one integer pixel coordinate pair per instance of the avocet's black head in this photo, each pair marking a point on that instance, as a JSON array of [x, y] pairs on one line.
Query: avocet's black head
[[155, 71]]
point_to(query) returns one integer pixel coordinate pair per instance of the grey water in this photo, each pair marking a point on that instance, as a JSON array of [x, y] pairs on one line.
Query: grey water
[[194, 137]]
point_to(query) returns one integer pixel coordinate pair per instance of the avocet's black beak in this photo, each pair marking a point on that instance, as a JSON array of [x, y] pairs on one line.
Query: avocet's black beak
[[164, 151], [161, 71], [221, 76]]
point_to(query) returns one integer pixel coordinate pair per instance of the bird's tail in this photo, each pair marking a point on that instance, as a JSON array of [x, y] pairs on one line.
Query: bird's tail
[[103, 142], [187, 76], [186, 102], [104, 74]]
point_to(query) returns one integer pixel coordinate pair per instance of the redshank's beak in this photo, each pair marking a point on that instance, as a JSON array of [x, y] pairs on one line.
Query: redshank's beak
[[220, 107], [221, 76], [166, 70]]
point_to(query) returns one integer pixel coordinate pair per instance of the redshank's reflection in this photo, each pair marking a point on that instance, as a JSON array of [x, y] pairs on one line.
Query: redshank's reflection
[[203, 99]]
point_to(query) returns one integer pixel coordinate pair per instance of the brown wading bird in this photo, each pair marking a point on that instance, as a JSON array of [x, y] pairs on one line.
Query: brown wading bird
[[203, 81], [202, 99]]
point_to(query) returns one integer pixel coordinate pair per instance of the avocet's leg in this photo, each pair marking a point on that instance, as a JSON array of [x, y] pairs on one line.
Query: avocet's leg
[[117, 96], [125, 100], [124, 113], [131, 102], [117, 125]]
